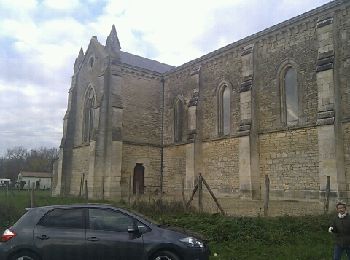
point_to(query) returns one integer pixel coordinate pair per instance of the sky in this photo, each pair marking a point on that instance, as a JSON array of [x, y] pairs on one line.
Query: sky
[[40, 39]]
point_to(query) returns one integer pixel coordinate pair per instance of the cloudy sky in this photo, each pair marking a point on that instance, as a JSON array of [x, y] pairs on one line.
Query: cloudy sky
[[40, 40]]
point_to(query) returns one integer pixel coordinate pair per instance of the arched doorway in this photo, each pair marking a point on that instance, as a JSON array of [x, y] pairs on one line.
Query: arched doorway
[[138, 180]]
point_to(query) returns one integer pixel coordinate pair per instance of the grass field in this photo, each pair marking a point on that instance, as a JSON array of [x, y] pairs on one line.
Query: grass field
[[231, 238]]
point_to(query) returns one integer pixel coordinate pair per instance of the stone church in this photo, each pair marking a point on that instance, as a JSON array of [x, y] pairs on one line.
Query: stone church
[[275, 104]]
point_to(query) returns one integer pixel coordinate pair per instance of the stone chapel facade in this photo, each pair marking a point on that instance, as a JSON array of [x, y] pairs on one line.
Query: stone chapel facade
[[276, 104]]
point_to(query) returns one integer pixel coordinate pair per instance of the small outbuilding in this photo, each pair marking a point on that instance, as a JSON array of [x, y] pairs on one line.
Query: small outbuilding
[[41, 180]]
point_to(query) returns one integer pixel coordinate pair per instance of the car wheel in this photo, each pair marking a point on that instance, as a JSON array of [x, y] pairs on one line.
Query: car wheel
[[165, 255], [25, 255]]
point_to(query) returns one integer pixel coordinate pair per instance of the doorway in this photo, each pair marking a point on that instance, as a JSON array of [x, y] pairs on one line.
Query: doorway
[[138, 180]]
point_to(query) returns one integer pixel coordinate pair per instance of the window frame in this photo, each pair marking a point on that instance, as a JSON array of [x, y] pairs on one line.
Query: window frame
[[143, 229], [221, 109], [47, 214], [178, 119], [88, 114], [286, 66]]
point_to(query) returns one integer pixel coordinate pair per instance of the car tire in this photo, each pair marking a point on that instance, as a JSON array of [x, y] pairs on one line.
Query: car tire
[[25, 255], [165, 255]]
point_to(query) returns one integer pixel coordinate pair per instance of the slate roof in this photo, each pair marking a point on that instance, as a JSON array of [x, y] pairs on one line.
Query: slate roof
[[36, 174], [138, 61]]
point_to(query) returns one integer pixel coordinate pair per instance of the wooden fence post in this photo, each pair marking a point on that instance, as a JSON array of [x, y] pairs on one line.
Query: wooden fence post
[[267, 195], [81, 185], [7, 191], [183, 193], [129, 191], [103, 187], [32, 198], [200, 193], [191, 198], [328, 191], [86, 192], [213, 196]]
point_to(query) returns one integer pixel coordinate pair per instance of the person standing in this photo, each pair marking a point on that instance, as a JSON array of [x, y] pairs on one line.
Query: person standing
[[340, 227]]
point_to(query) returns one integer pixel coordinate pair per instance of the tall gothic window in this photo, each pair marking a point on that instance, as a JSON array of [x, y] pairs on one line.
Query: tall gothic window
[[88, 114], [289, 97], [178, 120], [224, 110]]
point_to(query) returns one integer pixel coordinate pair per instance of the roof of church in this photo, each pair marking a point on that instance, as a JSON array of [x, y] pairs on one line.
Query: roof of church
[[138, 61]]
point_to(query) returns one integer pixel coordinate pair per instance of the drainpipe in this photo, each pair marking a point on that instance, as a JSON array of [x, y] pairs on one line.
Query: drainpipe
[[162, 141]]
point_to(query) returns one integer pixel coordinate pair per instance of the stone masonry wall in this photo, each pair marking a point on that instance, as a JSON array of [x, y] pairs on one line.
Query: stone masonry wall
[[149, 157], [141, 113], [342, 57], [225, 68], [80, 165], [221, 166], [290, 159], [88, 75], [178, 85], [174, 168], [295, 45], [289, 155], [346, 133]]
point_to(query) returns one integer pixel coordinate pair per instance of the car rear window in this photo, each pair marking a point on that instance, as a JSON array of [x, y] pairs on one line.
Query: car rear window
[[27, 218], [63, 218]]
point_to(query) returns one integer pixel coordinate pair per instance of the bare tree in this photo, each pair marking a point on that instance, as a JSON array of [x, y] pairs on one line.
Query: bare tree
[[18, 159]]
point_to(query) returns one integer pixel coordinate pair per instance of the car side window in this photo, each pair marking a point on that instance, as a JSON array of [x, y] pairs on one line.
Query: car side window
[[63, 218], [109, 220]]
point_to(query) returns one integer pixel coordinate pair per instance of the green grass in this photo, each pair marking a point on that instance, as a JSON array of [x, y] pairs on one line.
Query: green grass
[[231, 238]]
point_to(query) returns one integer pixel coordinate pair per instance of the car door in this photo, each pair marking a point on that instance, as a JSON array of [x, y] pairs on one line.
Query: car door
[[60, 234], [108, 237]]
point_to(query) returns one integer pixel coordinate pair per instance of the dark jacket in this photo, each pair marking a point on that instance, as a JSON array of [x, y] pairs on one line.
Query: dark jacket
[[341, 230]]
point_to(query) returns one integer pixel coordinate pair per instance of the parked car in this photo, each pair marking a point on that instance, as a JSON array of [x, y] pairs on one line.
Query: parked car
[[95, 231], [5, 182]]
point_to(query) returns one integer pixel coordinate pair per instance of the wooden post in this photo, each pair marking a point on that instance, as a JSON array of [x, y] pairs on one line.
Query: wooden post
[[267, 195], [81, 185], [86, 192], [7, 191], [32, 198], [192, 196], [200, 193], [213, 196], [103, 187], [328, 190], [183, 193]]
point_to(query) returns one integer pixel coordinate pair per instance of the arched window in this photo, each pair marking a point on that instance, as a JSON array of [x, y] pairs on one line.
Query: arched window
[[88, 114], [289, 96], [178, 120], [224, 110]]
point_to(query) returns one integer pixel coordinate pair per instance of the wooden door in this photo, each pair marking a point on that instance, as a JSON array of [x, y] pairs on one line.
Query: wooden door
[[138, 180]]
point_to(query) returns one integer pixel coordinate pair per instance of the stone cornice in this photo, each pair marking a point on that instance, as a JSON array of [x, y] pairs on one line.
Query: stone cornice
[[141, 144], [325, 61], [324, 22]]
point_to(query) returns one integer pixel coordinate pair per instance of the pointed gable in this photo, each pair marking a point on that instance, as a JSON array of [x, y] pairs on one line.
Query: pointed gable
[[79, 60], [113, 44]]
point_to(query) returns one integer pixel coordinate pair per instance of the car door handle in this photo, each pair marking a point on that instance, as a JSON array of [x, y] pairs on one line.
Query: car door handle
[[93, 239], [43, 237]]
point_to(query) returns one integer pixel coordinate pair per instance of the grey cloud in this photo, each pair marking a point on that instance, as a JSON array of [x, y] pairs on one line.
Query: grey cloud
[[249, 17]]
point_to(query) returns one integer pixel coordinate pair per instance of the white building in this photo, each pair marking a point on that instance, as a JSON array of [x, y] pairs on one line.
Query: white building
[[41, 180], [5, 182]]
